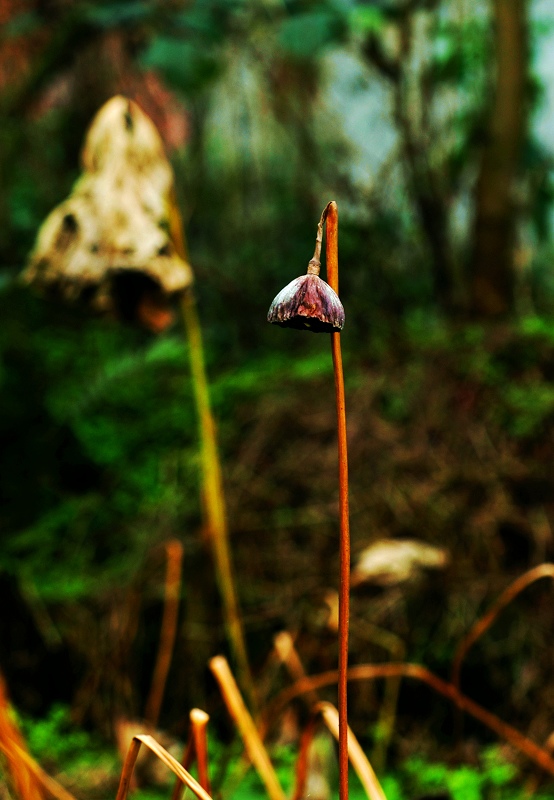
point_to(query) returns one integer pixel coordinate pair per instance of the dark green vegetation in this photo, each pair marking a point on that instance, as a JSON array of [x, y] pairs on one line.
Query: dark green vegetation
[[91, 770], [450, 400]]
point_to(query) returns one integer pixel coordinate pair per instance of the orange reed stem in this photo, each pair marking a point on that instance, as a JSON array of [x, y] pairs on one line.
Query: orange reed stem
[[332, 265], [168, 632], [372, 671], [484, 623]]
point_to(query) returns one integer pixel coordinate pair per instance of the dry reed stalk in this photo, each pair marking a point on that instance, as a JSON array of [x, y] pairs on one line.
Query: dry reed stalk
[[332, 266], [310, 303], [186, 760], [394, 645], [199, 724], [28, 778], [196, 748], [168, 631], [360, 672], [484, 623], [288, 655], [214, 496], [165, 757], [359, 761], [43, 779], [247, 729], [387, 713], [302, 762]]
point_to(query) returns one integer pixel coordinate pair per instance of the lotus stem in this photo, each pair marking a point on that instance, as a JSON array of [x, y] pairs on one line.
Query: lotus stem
[[215, 509], [199, 724], [503, 730], [330, 214], [170, 762], [196, 748], [247, 729], [483, 623], [168, 632], [363, 768]]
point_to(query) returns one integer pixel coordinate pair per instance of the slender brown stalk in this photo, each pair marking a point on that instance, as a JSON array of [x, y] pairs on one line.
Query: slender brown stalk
[[534, 752], [12, 745], [247, 729], [288, 655], [28, 779], [168, 632], [170, 762], [196, 748], [363, 768], [214, 496], [332, 264], [186, 760], [199, 723], [357, 757], [302, 762], [387, 713], [484, 623]]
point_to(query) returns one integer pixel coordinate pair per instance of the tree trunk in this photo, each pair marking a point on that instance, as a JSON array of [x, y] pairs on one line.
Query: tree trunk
[[491, 271]]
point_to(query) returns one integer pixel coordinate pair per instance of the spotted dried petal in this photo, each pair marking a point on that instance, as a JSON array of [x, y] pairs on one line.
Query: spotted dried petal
[[109, 243], [307, 303]]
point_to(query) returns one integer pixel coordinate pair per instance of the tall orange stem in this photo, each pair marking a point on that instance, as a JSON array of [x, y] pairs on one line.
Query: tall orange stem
[[332, 264]]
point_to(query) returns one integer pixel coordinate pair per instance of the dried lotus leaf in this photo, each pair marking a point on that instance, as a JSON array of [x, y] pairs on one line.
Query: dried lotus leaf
[[117, 218]]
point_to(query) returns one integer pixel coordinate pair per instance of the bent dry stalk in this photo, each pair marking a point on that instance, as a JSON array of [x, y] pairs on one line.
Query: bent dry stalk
[[309, 303]]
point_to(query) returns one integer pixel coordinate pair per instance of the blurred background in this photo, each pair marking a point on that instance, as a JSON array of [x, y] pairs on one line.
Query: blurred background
[[431, 123]]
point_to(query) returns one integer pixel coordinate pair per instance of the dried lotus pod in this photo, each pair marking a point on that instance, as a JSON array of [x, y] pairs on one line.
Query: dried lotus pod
[[110, 241], [308, 302]]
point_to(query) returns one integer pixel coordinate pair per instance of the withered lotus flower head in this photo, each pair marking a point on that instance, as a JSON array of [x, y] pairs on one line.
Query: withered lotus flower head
[[110, 241], [308, 302]]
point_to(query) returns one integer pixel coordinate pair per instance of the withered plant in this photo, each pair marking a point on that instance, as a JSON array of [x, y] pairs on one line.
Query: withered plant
[[308, 303], [117, 243]]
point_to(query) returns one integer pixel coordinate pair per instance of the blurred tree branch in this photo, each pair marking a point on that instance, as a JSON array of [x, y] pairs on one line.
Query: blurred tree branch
[[491, 269]]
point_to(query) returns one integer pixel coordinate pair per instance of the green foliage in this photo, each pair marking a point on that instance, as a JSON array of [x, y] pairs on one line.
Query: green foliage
[[186, 65], [307, 34], [60, 745], [364, 19], [494, 779]]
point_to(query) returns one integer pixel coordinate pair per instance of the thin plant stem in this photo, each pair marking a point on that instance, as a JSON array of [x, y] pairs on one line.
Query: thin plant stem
[[186, 760], [287, 653], [387, 713], [302, 762], [484, 623], [214, 497], [168, 632], [195, 749], [362, 767], [332, 266], [29, 780], [199, 724], [246, 727], [503, 730], [170, 762]]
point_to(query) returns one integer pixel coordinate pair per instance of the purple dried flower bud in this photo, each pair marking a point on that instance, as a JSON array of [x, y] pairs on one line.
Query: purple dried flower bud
[[307, 303]]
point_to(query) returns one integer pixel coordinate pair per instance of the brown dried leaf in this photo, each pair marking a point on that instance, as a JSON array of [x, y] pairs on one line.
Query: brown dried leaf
[[391, 561]]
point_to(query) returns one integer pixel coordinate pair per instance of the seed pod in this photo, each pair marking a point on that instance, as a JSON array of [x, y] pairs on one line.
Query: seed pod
[[308, 303]]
